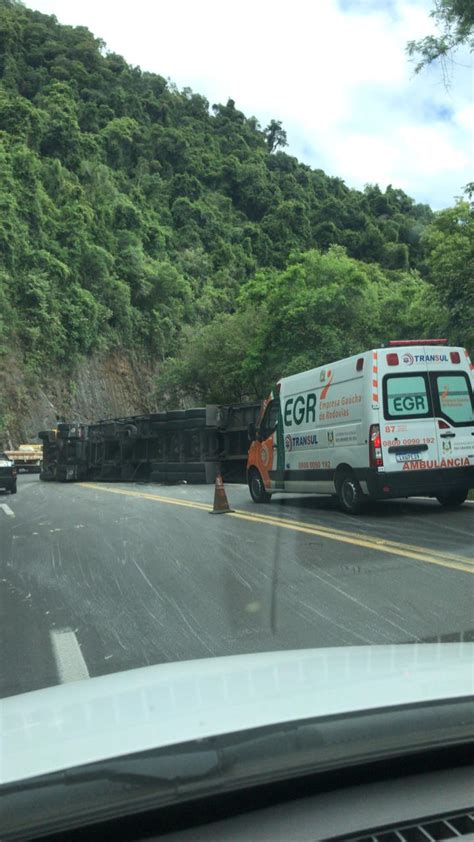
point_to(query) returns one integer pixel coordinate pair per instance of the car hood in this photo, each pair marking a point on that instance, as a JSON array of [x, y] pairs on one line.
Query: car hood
[[101, 718]]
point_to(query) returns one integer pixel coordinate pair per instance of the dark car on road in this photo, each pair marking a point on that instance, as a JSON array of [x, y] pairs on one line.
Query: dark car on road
[[7, 473]]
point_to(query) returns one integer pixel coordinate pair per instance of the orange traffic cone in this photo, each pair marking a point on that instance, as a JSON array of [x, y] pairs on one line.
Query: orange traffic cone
[[221, 503]]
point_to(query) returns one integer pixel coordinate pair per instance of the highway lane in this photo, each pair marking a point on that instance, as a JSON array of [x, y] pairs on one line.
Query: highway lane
[[99, 578]]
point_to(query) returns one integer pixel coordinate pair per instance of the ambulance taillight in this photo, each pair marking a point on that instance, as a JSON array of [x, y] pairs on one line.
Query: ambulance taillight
[[375, 447]]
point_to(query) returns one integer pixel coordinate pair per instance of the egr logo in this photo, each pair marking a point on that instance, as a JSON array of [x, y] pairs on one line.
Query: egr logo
[[288, 443], [408, 358]]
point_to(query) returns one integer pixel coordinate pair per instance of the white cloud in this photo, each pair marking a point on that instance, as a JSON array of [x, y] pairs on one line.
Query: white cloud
[[336, 74], [465, 118]]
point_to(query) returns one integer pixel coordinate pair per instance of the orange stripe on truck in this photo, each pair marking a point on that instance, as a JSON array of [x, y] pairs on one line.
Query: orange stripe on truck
[[375, 378]]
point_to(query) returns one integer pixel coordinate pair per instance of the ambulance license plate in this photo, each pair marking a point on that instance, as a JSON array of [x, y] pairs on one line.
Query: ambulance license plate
[[407, 457]]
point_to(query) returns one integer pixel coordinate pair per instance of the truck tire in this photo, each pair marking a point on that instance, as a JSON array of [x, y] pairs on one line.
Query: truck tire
[[128, 472], [453, 499], [257, 489], [182, 467], [196, 479], [193, 467], [196, 412], [13, 489], [175, 419], [349, 493], [174, 477], [194, 424]]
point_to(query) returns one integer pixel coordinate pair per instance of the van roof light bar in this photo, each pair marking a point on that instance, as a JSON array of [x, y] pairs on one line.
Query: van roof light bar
[[397, 343]]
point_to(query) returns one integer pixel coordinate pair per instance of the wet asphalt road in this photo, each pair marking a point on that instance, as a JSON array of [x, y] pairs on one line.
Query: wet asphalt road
[[104, 578]]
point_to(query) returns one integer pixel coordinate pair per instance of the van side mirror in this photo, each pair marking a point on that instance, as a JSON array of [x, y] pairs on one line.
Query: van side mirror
[[252, 432]]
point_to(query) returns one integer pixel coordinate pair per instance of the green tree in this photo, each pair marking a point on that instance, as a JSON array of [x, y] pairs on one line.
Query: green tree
[[132, 215], [449, 243], [210, 367], [275, 135], [455, 21], [326, 306]]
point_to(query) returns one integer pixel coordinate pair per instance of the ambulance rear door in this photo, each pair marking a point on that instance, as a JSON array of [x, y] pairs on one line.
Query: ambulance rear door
[[452, 390], [408, 425]]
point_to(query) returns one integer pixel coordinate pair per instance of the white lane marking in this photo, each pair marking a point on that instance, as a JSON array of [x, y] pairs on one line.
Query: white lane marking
[[7, 509], [69, 659]]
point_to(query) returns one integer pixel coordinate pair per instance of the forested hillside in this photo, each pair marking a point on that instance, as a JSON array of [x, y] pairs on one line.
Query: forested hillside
[[137, 216]]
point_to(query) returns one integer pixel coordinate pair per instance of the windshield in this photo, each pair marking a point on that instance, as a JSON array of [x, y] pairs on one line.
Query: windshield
[[236, 379]]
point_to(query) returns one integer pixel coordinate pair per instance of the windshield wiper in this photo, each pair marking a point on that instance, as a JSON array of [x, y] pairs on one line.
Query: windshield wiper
[[166, 770]]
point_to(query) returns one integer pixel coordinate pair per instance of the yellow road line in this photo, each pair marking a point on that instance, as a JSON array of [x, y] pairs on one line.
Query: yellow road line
[[390, 547], [189, 504], [421, 555], [330, 531], [380, 542]]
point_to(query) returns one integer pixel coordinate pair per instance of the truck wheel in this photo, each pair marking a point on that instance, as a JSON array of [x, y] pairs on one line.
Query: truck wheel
[[13, 488], [258, 492], [453, 499], [350, 494]]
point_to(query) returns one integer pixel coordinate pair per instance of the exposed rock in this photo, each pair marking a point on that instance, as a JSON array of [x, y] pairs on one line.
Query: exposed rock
[[102, 386]]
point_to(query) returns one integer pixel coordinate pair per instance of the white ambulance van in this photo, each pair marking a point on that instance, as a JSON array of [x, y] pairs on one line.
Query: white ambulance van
[[396, 421]]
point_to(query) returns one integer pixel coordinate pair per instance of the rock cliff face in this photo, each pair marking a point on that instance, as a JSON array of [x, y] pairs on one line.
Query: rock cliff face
[[106, 386]]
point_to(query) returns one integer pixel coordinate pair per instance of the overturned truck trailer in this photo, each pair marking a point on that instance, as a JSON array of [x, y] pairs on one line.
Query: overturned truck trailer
[[181, 445]]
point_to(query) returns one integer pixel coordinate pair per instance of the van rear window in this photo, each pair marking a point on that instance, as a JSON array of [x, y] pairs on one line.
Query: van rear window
[[454, 397], [406, 396]]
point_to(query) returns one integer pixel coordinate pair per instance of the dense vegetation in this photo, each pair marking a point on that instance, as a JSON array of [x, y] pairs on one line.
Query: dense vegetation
[[133, 214]]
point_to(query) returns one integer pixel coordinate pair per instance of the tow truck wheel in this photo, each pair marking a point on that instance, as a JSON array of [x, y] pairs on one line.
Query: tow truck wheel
[[453, 499], [257, 489], [350, 494]]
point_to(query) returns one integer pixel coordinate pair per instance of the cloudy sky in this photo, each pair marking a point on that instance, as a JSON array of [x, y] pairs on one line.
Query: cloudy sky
[[335, 72]]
